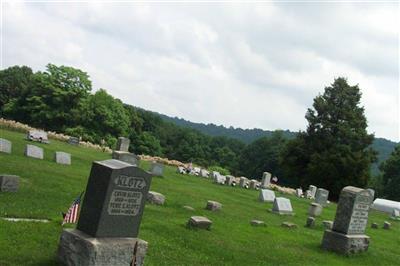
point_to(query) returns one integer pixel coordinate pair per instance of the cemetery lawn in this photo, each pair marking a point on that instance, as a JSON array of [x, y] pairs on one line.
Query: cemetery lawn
[[47, 189]]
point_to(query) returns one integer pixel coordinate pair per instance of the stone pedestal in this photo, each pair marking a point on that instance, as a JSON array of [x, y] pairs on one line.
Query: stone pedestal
[[126, 157], [78, 248], [344, 244]]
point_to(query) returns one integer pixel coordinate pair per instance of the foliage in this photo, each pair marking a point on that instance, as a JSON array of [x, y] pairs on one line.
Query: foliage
[[391, 175], [219, 169], [334, 151], [263, 155]]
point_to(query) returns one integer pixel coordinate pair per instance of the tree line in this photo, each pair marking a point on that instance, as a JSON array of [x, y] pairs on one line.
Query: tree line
[[333, 152]]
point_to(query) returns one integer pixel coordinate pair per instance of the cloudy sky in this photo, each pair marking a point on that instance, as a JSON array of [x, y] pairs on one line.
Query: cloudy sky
[[236, 64]]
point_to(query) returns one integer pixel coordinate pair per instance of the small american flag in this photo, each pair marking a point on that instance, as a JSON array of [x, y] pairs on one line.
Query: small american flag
[[72, 215]]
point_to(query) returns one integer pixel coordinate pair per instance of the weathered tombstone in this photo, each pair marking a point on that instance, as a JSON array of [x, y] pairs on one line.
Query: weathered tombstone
[[199, 222], [386, 225], [308, 194], [214, 175], [5, 145], [220, 179], [266, 195], [299, 192], [37, 135], [62, 157], [374, 226], [321, 196], [126, 157], [73, 141], [282, 206], [213, 205], [253, 184], [313, 191], [347, 234], [33, 151], [9, 183], [266, 180], [310, 221], [123, 144], [327, 224], [315, 209], [109, 221], [243, 181], [155, 198], [157, 169], [229, 180], [289, 225]]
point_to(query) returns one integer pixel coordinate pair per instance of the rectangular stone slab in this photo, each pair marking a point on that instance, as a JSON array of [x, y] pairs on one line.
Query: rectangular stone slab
[[33, 151], [282, 206], [266, 195], [62, 157], [5, 145], [321, 196], [78, 248], [114, 200], [157, 169], [9, 183], [344, 244]]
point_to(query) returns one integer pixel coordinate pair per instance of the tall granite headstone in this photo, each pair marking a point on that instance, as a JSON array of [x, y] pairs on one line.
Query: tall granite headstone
[[266, 180], [109, 221], [62, 157], [313, 191], [123, 144], [347, 234], [321, 197], [5, 145], [33, 151]]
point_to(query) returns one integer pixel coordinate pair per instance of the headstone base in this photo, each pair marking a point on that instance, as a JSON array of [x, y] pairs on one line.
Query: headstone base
[[78, 248], [282, 212], [126, 157], [344, 244]]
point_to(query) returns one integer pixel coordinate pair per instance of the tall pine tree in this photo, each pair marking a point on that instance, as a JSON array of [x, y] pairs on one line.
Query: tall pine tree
[[334, 151]]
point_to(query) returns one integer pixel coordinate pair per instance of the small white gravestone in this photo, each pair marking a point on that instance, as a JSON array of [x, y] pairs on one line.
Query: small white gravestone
[[62, 157], [267, 195], [229, 180], [181, 170], [243, 181], [221, 179], [266, 180], [33, 151], [253, 184], [5, 145], [299, 192], [282, 206]]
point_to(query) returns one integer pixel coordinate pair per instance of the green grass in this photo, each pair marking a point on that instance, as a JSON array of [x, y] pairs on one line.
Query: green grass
[[47, 188]]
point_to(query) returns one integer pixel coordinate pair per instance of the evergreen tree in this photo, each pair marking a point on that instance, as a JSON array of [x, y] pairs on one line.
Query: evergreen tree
[[334, 151], [391, 175]]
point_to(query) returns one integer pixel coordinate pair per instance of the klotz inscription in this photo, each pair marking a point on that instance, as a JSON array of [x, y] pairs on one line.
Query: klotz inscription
[[124, 202], [130, 182], [359, 217]]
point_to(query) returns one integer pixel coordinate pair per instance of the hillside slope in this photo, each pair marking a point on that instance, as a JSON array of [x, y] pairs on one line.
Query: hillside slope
[[47, 188]]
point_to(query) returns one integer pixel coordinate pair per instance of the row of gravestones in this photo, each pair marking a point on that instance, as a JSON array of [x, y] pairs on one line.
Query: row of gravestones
[[36, 152]]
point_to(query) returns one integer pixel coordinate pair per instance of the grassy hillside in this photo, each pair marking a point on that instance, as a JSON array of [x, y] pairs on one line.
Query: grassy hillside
[[47, 188]]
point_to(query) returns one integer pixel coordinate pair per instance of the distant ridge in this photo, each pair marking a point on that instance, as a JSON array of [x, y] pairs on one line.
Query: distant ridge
[[383, 146]]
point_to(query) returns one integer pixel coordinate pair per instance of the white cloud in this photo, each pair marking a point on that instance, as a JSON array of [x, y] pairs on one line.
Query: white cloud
[[245, 65]]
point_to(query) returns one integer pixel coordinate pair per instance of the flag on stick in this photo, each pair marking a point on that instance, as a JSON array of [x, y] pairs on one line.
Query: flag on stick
[[72, 214]]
